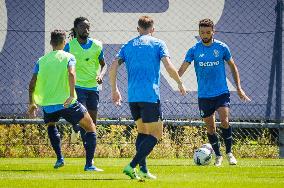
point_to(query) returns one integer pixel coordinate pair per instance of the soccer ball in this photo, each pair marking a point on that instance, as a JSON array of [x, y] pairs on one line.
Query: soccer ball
[[202, 156], [209, 147]]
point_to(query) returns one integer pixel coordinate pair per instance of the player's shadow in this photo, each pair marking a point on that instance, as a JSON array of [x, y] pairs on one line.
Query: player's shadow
[[16, 170], [98, 179], [174, 165], [272, 165]]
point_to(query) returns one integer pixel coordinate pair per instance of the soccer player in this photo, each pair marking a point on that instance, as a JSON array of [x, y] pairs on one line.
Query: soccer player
[[142, 56], [53, 87], [210, 56], [90, 69]]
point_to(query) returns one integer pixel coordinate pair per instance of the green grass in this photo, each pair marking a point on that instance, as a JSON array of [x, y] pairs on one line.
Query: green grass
[[172, 173]]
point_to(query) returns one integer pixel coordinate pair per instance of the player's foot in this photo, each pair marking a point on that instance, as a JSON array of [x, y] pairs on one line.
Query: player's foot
[[232, 160], [218, 161], [131, 172], [93, 168], [147, 175], [74, 136], [59, 163]]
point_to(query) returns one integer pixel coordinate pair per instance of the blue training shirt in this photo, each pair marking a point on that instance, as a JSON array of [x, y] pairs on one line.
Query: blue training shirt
[[86, 46], [209, 64], [56, 107], [142, 56]]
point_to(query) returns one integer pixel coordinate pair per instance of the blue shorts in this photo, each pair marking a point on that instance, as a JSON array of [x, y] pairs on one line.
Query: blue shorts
[[207, 106], [88, 98], [73, 114], [149, 112]]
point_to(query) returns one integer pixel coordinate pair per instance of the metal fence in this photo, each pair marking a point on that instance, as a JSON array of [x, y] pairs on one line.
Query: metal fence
[[20, 139], [252, 29]]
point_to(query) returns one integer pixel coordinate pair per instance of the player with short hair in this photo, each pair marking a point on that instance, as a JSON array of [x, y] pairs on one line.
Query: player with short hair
[[53, 88], [142, 56], [90, 69], [210, 56]]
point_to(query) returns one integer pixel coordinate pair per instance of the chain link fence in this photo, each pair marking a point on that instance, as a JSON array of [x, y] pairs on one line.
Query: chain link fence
[[26, 140], [252, 29]]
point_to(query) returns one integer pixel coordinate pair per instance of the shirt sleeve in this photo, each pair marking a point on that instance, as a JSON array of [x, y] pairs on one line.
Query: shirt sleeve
[[72, 61], [227, 53], [67, 47], [36, 68], [121, 53], [101, 56], [189, 57], [164, 52]]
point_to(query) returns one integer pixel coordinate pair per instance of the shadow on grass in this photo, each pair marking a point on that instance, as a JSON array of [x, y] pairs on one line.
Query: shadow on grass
[[99, 179], [271, 165], [16, 170]]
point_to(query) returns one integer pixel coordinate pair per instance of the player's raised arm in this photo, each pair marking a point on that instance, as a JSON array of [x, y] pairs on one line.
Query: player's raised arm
[[173, 74], [236, 77]]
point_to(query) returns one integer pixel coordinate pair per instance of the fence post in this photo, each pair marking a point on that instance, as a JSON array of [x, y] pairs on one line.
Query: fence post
[[279, 36]]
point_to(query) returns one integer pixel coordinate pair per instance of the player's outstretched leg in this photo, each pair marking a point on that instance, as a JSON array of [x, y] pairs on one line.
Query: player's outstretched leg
[[55, 141], [143, 171], [91, 142], [214, 141], [228, 140], [144, 150], [142, 164]]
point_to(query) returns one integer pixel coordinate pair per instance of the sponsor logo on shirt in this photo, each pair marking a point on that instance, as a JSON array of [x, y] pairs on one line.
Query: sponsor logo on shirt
[[208, 64]]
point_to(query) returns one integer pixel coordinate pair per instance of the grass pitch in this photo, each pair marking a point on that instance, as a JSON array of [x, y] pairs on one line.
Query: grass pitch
[[172, 173]]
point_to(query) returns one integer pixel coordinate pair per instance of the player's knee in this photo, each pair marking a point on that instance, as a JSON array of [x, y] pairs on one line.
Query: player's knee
[[211, 130], [88, 124], [225, 123], [158, 135]]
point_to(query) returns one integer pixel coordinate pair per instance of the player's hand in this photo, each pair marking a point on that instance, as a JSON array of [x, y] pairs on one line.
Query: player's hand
[[182, 89], [116, 97], [243, 95], [68, 102], [32, 110], [100, 79]]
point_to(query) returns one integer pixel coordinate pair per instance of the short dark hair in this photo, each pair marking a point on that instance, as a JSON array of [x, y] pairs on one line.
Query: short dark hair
[[57, 37], [206, 23], [145, 22], [79, 20]]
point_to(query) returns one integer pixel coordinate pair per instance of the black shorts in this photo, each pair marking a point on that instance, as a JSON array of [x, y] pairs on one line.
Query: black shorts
[[207, 106], [149, 112], [88, 98], [73, 114]]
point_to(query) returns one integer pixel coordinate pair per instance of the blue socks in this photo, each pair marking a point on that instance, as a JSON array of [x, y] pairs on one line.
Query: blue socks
[[145, 148], [213, 140], [55, 140], [90, 147], [228, 140], [139, 140]]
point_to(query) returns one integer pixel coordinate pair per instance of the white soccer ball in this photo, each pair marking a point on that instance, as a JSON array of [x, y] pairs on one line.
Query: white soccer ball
[[208, 146], [202, 156]]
